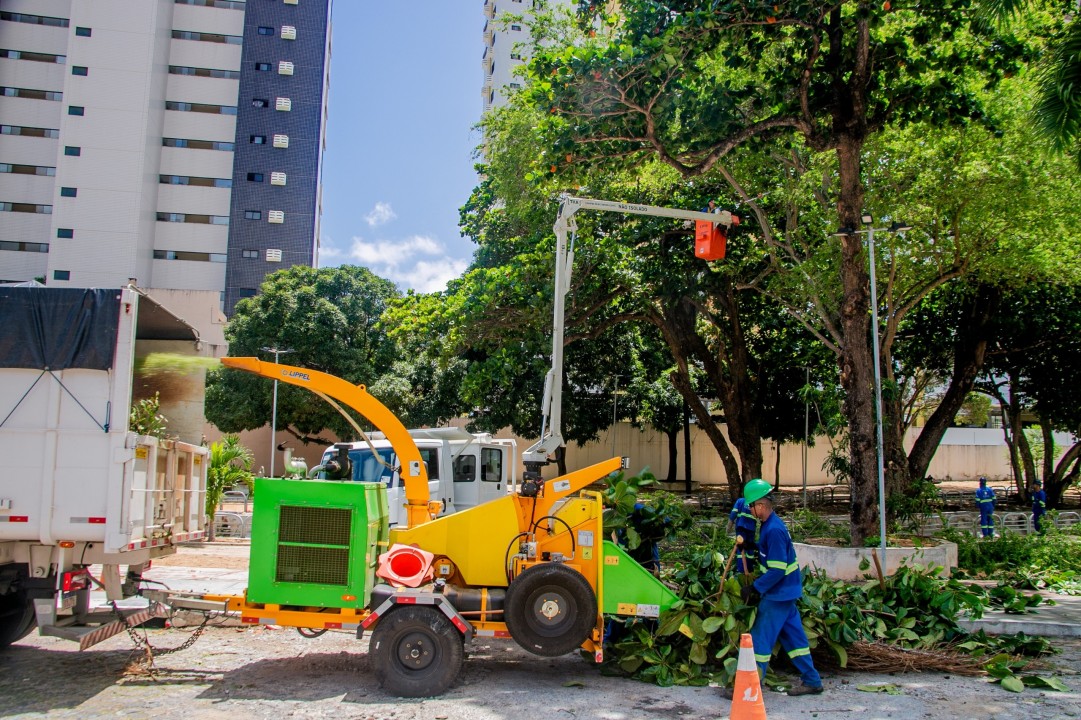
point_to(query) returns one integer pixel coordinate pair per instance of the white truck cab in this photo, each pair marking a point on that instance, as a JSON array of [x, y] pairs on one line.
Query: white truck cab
[[464, 469]]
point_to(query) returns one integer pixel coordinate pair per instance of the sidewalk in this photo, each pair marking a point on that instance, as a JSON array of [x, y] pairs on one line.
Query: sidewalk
[[1063, 619]]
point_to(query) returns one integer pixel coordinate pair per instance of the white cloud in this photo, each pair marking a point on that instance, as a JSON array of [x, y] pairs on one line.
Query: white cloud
[[381, 214], [418, 262]]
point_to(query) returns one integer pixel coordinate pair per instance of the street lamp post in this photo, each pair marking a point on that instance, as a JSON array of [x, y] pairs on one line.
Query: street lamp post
[[868, 221], [274, 408]]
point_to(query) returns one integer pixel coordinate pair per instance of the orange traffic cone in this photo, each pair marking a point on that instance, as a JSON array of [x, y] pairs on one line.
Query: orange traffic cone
[[747, 696]]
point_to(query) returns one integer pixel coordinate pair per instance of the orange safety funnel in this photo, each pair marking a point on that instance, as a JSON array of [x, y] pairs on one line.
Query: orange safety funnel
[[405, 565]]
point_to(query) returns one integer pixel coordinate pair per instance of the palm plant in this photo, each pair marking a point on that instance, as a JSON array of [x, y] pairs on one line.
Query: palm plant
[[230, 465]]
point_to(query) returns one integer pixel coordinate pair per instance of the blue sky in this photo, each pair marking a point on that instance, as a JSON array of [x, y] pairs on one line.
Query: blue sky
[[404, 99]]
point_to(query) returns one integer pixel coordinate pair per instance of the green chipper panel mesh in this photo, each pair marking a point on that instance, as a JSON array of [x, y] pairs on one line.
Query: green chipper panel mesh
[[316, 543]]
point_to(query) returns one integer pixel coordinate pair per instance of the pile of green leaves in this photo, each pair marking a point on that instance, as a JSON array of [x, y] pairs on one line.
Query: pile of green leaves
[[1051, 560], [697, 641]]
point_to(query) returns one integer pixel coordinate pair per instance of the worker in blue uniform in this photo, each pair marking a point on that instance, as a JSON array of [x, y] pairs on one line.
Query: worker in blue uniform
[[745, 525], [1039, 505], [776, 591], [985, 498]]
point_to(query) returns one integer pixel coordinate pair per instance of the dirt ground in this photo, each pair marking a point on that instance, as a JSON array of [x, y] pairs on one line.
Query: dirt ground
[[236, 672]]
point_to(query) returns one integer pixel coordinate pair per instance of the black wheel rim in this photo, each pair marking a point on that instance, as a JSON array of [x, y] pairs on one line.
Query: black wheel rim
[[417, 650], [550, 611]]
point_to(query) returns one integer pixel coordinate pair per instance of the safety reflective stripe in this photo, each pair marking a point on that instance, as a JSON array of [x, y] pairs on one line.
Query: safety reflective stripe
[[985, 500], [799, 651], [747, 515], [788, 568], [762, 658]]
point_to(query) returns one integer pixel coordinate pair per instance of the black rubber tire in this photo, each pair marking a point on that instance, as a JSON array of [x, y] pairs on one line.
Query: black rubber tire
[[16, 618], [550, 609], [416, 652]]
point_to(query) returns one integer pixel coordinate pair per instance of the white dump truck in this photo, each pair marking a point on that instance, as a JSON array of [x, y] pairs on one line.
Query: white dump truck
[[78, 488], [464, 469]]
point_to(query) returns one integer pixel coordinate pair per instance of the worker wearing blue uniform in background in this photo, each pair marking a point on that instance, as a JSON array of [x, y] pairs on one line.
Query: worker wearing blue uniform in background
[[746, 525], [1039, 505], [776, 591], [985, 498]]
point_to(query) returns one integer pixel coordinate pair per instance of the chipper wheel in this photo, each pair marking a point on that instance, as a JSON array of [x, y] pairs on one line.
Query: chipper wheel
[[416, 652], [550, 609]]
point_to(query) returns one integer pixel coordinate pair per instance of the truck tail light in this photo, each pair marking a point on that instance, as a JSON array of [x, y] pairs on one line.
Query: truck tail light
[[75, 580]]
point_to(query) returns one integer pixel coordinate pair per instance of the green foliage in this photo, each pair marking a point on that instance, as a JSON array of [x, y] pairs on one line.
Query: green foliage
[[230, 465], [145, 419], [638, 518], [1049, 560], [329, 318], [804, 525], [920, 498]]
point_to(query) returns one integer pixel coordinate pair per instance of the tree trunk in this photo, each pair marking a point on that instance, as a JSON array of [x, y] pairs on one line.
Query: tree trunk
[[682, 383], [856, 368], [1064, 475], [673, 454], [1048, 451], [969, 352], [686, 449], [777, 466]]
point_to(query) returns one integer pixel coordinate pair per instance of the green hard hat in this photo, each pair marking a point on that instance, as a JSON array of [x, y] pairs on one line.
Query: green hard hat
[[756, 490]]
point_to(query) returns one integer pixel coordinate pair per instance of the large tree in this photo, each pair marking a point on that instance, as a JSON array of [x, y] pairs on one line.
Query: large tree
[[328, 320], [691, 83]]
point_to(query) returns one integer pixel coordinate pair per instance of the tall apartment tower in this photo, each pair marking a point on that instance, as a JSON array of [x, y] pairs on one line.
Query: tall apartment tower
[[177, 142], [505, 46]]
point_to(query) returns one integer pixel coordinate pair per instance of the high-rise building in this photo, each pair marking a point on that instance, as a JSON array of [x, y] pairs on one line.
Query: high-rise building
[[177, 142], [506, 45]]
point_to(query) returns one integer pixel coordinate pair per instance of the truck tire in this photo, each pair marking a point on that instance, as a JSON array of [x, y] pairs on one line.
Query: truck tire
[[17, 618], [416, 652], [550, 609]]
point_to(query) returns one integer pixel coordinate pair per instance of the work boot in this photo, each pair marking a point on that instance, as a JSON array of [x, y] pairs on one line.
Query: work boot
[[805, 690], [726, 693]]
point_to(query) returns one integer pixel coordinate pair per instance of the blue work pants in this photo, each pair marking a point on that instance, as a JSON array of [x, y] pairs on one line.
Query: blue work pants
[[987, 521], [779, 619]]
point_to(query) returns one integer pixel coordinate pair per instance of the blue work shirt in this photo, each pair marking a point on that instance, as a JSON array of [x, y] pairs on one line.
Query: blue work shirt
[[1039, 502], [780, 579], [742, 517], [985, 498]]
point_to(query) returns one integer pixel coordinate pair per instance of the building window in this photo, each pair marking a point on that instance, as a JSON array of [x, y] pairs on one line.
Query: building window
[[72, 151], [515, 56], [277, 178], [275, 216], [26, 208], [260, 102], [12, 246], [193, 218], [31, 94], [191, 256], [262, 67], [253, 214], [515, 86], [76, 110], [274, 255], [257, 139], [207, 37], [200, 107], [246, 292], [283, 104], [69, 192], [33, 56], [264, 30], [249, 254], [82, 31], [61, 275], [227, 4], [289, 32], [198, 144], [281, 141], [204, 72], [195, 181], [255, 177], [285, 67], [27, 169], [29, 131], [65, 233], [515, 27], [34, 19], [80, 70], [290, 2]]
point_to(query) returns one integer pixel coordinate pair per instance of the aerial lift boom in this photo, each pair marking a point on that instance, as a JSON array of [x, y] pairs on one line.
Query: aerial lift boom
[[551, 438]]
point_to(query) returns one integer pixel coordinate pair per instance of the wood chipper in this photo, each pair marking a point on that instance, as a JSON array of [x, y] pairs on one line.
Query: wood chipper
[[533, 566]]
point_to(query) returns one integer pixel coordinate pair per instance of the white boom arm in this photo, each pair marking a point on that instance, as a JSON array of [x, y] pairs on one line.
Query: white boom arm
[[552, 404]]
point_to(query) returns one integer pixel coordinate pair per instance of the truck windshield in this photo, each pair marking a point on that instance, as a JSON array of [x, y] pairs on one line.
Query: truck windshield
[[366, 468]]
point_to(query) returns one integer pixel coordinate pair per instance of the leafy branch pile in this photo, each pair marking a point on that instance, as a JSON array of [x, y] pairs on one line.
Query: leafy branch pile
[[914, 611], [1051, 560]]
